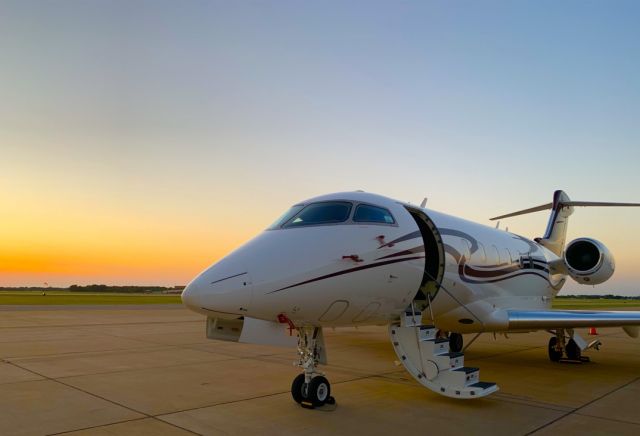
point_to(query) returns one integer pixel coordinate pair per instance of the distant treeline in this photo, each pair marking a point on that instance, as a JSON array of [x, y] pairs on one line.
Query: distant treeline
[[100, 288], [600, 297]]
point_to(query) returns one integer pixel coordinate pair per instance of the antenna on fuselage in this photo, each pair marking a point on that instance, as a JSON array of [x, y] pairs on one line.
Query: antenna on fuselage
[[498, 225], [424, 202]]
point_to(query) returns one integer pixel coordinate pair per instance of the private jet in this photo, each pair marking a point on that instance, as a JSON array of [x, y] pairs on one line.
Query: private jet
[[357, 258]]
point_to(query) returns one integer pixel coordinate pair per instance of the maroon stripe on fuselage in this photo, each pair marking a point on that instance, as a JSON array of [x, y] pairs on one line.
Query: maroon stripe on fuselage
[[472, 272], [404, 253], [347, 271], [406, 237], [507, 277]]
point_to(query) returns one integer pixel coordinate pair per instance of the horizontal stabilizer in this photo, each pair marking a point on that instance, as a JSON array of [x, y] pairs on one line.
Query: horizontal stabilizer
[[563, 204], [524, 211]]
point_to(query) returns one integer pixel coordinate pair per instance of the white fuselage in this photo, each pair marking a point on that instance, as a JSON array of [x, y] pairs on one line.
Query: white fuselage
[[355, 273]]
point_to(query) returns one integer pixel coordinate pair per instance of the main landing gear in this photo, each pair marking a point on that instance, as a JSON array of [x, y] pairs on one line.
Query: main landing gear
[[567, 346], [456, 341], [311, 389]]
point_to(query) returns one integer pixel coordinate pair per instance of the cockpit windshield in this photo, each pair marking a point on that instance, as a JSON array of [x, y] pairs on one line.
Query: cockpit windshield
[[329, 212], [286, 216], [325, 212]]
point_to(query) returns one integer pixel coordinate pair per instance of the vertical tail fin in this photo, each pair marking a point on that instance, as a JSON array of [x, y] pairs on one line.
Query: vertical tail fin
[[556, 234]]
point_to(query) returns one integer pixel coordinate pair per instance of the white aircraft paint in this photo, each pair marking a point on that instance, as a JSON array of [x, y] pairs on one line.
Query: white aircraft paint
[[468, 277]]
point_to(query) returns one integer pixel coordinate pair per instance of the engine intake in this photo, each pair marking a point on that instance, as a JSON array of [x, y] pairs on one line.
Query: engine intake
[[588, 261]]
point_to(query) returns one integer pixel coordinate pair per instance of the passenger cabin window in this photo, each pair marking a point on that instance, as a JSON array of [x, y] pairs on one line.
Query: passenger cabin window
[[372, 214], [495, 256], [506, 257], [330, 212], [479, 257]]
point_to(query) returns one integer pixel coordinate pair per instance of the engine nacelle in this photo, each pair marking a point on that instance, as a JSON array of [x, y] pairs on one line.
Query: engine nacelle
[[588, 261]]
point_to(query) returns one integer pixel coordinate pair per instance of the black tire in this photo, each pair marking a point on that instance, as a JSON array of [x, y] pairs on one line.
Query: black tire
[[319, 391], [572, 350], [554, 355], [456, 342], [297, 389]]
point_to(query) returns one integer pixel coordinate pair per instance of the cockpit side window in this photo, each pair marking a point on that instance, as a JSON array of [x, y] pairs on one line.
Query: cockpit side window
[[329, 212], [366, 213]]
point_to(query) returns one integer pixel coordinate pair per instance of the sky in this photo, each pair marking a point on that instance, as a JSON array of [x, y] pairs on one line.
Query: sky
[[141, 141]]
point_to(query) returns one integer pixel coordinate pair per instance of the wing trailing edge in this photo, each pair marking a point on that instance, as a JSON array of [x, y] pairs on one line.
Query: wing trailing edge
[[551, 319]]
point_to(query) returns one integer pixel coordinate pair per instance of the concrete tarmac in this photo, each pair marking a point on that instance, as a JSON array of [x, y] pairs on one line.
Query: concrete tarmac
[[151, 371]]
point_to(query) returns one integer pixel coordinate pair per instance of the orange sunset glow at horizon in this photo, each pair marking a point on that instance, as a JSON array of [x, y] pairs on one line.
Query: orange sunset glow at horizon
[[139, 144]]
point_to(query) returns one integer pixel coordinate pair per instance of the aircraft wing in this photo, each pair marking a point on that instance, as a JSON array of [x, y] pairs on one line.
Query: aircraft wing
[[551, 319]]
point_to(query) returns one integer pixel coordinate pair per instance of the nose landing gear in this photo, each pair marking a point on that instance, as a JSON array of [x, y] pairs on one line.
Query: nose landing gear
[[311, 389]]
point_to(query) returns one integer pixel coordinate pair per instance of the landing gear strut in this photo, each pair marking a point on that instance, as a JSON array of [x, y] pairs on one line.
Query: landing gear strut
[[555, 351], [562, 344], [311, 389]]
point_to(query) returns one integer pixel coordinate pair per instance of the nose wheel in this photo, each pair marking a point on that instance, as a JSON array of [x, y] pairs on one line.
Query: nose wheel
[[311, 389], [314, 394]]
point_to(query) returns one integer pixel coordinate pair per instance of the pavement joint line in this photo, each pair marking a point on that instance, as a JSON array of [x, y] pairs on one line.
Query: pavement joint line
[[538, 405], [228, 357], [146, 368], [188, 346], [97, 426], [71, 353], [41, 325], [265, 358], [544, 406], [574, 411], [97, 396], [490, 356], [257, 397], [507, 397], [622, 421]]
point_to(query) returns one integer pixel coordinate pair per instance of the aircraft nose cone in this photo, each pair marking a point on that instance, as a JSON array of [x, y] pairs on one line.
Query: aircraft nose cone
[[224, 289], [190, 295]]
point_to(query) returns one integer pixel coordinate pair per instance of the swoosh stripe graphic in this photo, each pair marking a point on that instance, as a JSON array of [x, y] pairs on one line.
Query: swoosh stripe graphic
[[537, 262], [471, 272], [347, 271], [406, 237], [414, 250], [452, 232], [535, 273], [465, 271]]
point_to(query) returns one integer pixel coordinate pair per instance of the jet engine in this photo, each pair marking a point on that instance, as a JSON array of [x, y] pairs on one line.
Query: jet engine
[[588, 261]]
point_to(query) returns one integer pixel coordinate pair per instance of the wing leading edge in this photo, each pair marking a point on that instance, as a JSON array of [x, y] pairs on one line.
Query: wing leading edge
[[551, 319]]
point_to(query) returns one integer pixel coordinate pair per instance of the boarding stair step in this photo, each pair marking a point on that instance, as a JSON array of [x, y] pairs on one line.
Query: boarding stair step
[[411, 319], [459, 377], [429, 360]]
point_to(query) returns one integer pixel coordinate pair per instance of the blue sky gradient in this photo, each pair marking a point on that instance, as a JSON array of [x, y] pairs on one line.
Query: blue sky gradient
[[211, 118]]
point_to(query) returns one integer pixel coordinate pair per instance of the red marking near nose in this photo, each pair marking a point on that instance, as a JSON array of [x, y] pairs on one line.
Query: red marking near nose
[[353, 257], [284, 319]]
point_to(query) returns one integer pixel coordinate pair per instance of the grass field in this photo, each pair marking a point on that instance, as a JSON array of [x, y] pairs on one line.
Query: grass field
[[589, 303], [65, 298], [62, 298]]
